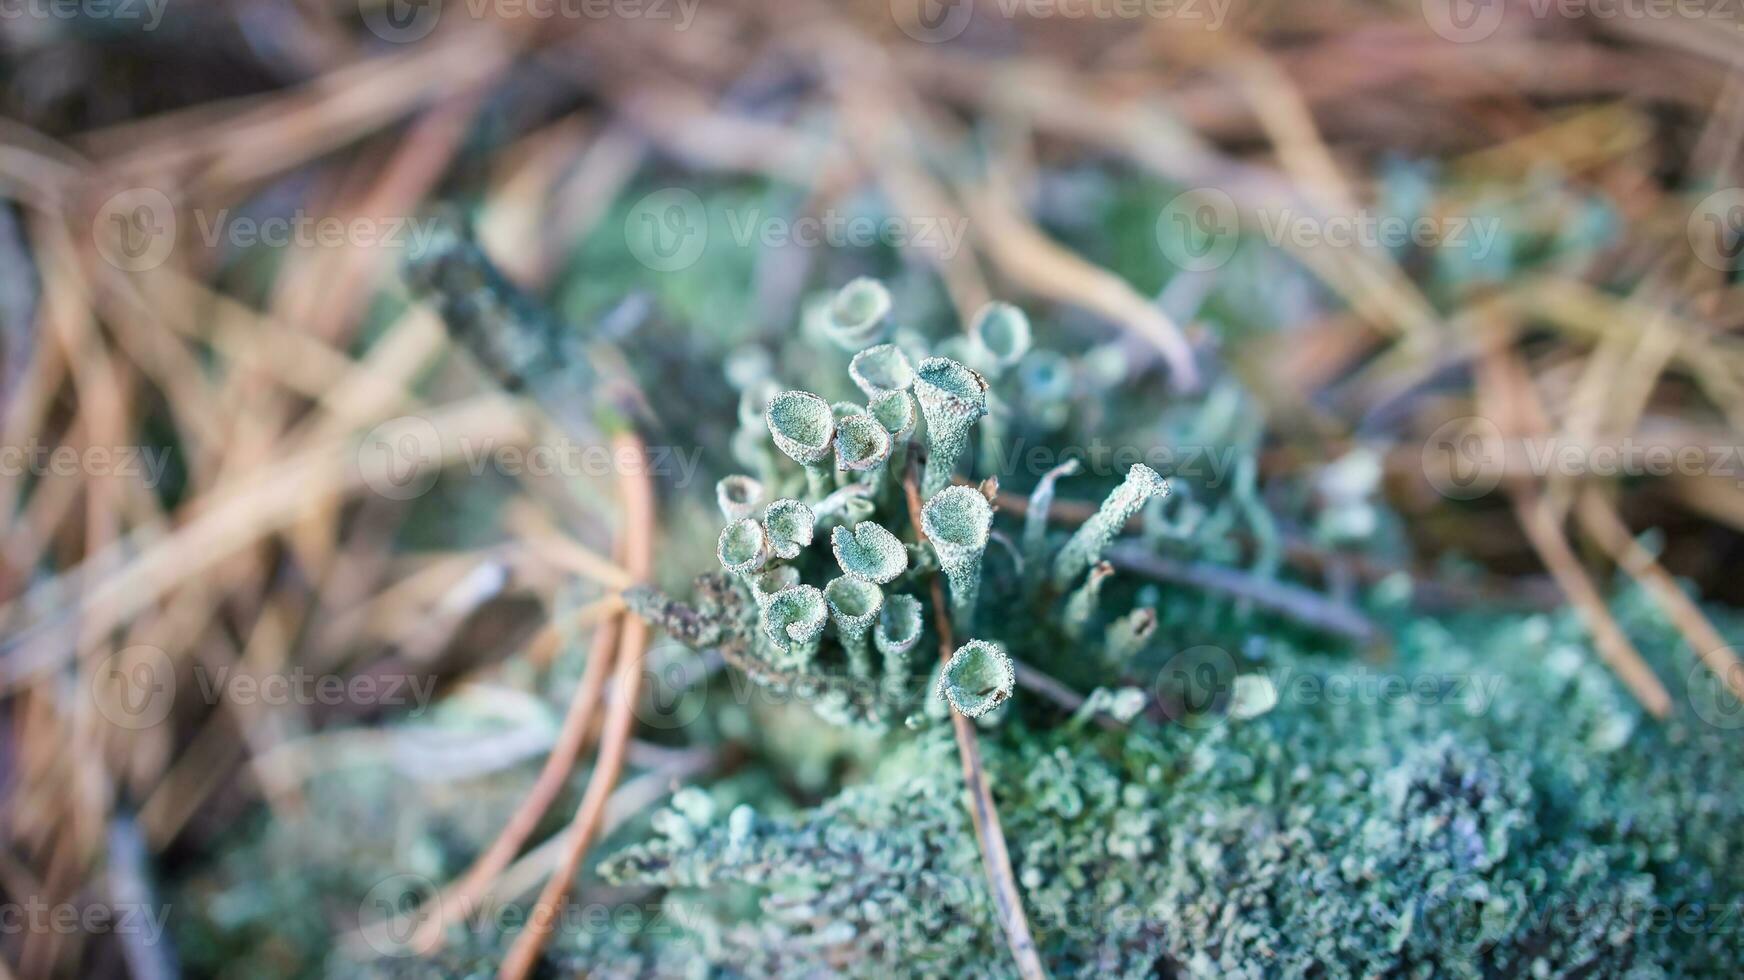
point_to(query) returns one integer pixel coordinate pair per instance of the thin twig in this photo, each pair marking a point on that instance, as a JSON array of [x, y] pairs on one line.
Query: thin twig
[[1007, 901], [1294, 602]]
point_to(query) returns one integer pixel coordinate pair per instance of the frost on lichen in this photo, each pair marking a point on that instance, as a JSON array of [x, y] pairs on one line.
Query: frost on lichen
[[869, 552], [854, 607], [738, 496], [770, 581], [895, 411], [1081, 605], [951, 398], [862, 443], [956, 522], [855, 490], [803, 427], [1460, 830], [743, 547], [897, 631], [1199, 786], [881, 370], [1041, 501], [790, 525], [978, 678], [793, 621], [856, 316], [1086, 545]]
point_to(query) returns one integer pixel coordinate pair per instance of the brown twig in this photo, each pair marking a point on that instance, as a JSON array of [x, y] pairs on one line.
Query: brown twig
[[1007, 901], [1294, 602]]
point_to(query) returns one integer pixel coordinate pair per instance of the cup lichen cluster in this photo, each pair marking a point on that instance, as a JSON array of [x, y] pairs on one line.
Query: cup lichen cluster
[[846, 481]]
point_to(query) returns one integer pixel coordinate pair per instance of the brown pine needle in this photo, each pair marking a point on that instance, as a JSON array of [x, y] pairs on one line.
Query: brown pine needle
[[620, 718], [1539, 520], [1603, 524], [1043, 265], [571, 739], [1505, 391]]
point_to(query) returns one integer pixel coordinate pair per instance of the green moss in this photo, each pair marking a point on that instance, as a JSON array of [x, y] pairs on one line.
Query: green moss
[[1398, 835]]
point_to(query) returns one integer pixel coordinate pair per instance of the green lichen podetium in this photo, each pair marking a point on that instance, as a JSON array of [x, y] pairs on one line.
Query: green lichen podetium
[[804, 428], [1093, 536], [977, 678], [952, 398], [956, 521]]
